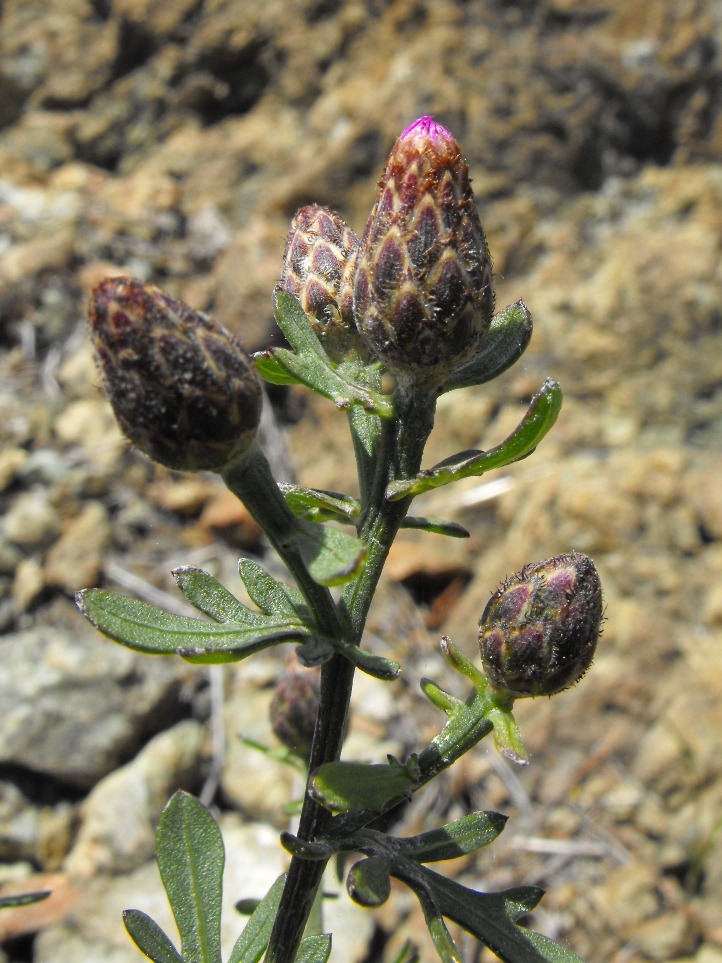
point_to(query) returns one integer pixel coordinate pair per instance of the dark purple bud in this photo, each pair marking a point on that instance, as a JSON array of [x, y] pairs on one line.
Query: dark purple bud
[[183, 390], [294, 707], [539, 631], [423, 296], [318, 267]]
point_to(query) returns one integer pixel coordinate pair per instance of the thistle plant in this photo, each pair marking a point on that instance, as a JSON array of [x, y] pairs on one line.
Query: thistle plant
[[411, 302]]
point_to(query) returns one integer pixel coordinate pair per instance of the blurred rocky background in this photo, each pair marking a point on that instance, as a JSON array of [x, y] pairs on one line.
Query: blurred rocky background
[[173, 140]]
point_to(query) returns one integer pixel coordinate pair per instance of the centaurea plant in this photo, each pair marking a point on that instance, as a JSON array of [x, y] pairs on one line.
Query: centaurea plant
[[411, 302]]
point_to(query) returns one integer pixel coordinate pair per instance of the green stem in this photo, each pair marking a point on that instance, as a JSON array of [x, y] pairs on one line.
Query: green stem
[[399, 452], [252, 481], [455, 739]]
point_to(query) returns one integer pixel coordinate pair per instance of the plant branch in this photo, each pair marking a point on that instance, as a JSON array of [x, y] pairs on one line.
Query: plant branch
[[400, 449]]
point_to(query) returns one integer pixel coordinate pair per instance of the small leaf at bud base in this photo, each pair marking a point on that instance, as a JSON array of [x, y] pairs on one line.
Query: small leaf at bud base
[[539, 631], [318, 266], [423, 297], [183, 390]]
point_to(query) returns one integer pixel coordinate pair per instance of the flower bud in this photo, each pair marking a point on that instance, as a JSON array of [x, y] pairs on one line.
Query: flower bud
[[318, 269], [539, 630], [182, 388], [423, 296], [294, 707]]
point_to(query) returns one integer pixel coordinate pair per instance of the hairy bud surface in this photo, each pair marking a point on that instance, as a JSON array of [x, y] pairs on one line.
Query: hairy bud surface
[[423, 296], [539, 630], [318, 267], [183, 390]]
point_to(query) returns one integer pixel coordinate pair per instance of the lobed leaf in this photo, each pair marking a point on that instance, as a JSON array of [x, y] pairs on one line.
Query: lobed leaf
[[368, 882], [491, 917], [375, 665], [441, 938], [146, 628], [206, 594], [272, 597]]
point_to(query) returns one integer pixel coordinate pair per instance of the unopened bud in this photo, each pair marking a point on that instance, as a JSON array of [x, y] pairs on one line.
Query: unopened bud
[[294, 707], [318, 269], [423, 295], [183, 390], [539, 631]]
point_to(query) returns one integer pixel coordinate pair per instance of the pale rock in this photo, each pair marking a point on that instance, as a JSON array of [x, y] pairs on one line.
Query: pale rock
[[11, 462], [28, 583], [75, 706], [32, 520], [254, 783], [78, 375], [75, 560], [119, 817]]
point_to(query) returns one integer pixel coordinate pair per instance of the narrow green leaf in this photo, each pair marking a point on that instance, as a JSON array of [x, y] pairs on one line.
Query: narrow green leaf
[[313, 851], [443, 943], [442, 699], [407, 954], [279, 754], [320, 506], [552, 952], [146, 628], [23, 899], [210, 597], [271, 371], [505, 342], [354, 786], [315, 372], [150, 938], [310, 365], [437, 526], [224, 651], [373, 665], [190, 859], [271, 596], [539, 419], [441, 938], [251, 944], [331, 556], [314, 949], [366, 432], [459, 838], [507, 737]]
